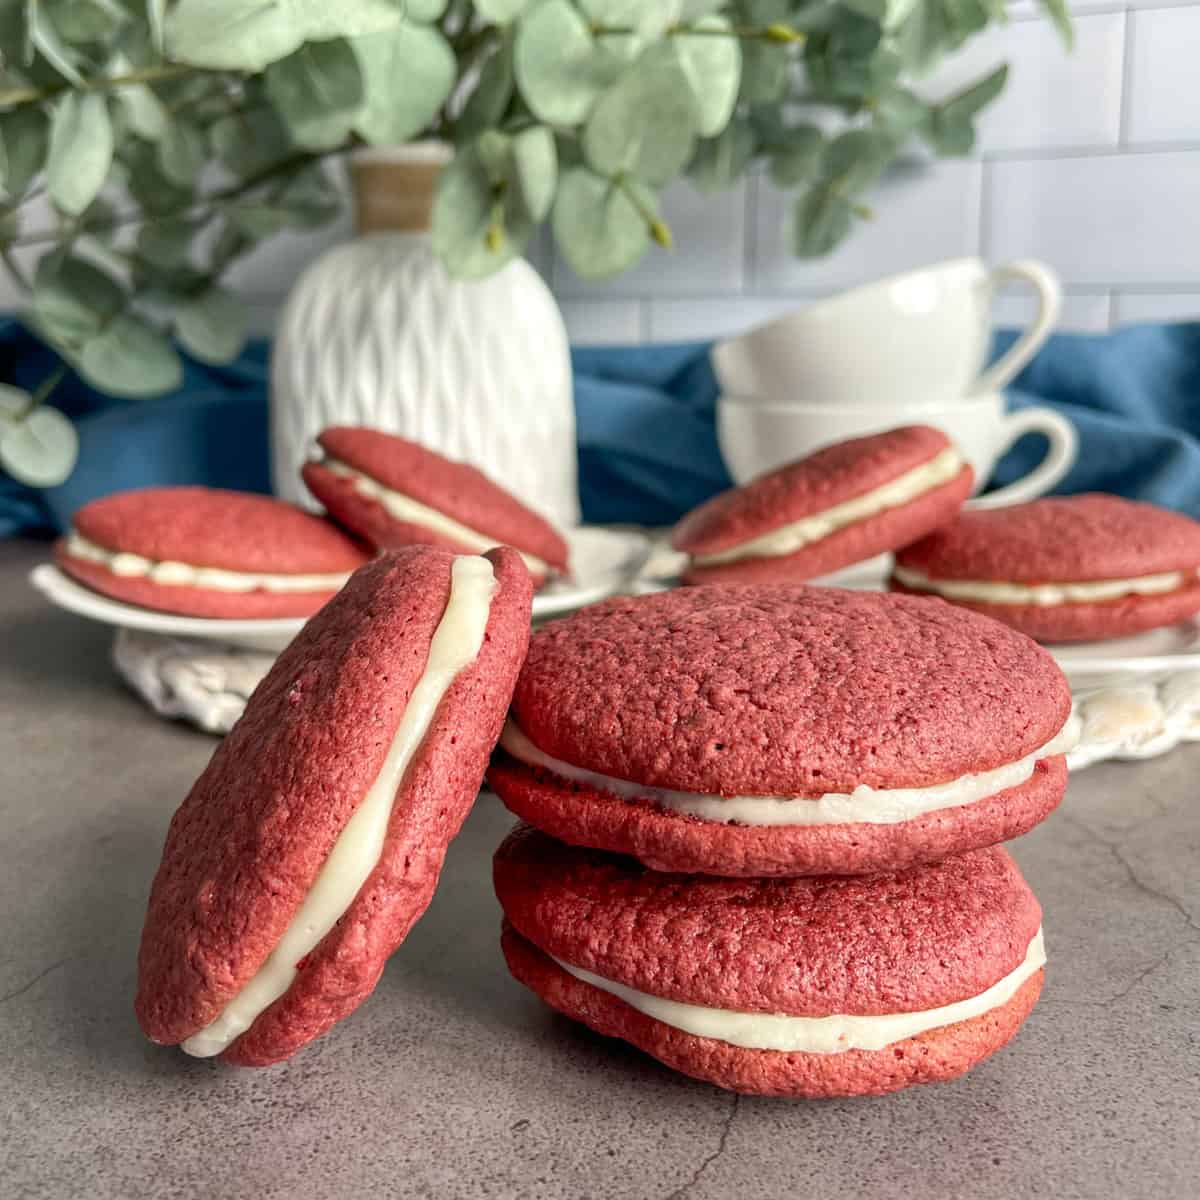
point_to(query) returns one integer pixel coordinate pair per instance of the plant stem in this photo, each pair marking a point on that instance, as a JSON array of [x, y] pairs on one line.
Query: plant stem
[[14, 268], [660, 231], [17, 97], [778, 33], [286, 166], [41, 393]]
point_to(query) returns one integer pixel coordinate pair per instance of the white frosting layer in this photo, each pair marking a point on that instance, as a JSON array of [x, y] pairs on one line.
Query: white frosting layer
[[867, 805], [355, 854], [177, 574], [787, 539], [1044, 595], [817, 1035], [404, 508]]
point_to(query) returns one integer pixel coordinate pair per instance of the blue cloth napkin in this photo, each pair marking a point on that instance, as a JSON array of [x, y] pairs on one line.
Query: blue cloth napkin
[[647, 445]]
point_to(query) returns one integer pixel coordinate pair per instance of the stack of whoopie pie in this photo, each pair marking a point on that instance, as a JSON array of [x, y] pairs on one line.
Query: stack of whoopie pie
[[763, 831]]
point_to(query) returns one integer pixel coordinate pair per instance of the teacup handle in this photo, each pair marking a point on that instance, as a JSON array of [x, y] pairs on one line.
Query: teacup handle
[[1064, 443], [1049, 293]]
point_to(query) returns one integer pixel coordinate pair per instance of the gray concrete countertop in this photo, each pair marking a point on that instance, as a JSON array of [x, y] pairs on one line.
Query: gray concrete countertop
[[452, 1081]]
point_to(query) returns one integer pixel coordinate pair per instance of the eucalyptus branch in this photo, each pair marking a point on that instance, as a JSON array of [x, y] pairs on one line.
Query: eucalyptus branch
[[193, 208], [18, 97], [778, 32], [660, 231]]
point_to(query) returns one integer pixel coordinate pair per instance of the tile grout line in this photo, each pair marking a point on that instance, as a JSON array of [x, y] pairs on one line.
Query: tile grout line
[[1126, 82]]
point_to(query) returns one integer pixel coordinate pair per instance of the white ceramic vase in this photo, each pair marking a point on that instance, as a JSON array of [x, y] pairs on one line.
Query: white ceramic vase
[[376, 333]]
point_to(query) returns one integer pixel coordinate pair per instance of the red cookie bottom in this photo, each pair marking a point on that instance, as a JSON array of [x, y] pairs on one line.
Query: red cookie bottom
[[888, 530], [190, 601], [1084, 622], [930, 1057], [678, 843]]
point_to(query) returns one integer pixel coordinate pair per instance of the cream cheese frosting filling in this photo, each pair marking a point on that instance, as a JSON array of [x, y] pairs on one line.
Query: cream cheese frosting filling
[[1044, 595], [404, 508], [356, 852], [178, 574], [817, 1035], [787, 539], [864, 805]]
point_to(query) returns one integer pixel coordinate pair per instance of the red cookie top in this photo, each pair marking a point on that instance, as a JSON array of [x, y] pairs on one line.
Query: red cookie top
[[246, 845], [811, 485], [1060, 539], [455, 489], [786, 690], [210, 527], [901, 942]]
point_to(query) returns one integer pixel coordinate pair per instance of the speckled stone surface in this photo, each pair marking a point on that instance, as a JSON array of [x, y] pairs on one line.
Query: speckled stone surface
[[453, 1081]]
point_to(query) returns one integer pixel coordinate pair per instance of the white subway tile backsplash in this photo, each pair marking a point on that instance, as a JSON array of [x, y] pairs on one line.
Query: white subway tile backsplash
[[603, 322], [690, 320], [1082, 312], [1156, 306], [709, 233], [923, 213], [1164, 99], [1108, 219], [1054, 97]]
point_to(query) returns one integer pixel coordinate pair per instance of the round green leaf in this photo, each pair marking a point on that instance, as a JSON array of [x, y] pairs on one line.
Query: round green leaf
[[721, 161], [855, 160], [26, 136], [212, 327], [81, 150], [713, 68], [649, 18], [597, 226], [318, 91], [248, 35], [644, 125], [798, 158], [14, 402], [408, 72], [486, 104], [424, 10], [560, 68], [130, 358], [764, 73], [464, 214], [72, 299], [821, 220], [166, 244], [40, 450], [500, 11], [144, 111], [536, 166], [182, 151], [251, 142]]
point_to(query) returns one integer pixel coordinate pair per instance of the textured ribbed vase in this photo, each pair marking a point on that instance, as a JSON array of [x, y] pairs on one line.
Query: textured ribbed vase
[[376, 333]]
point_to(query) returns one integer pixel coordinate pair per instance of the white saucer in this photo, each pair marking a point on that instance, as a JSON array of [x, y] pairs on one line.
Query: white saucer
[[603, 561], [1173, 648]]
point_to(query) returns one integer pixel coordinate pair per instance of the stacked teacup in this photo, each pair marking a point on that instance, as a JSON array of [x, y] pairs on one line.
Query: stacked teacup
[[907, 349], [763, 827]]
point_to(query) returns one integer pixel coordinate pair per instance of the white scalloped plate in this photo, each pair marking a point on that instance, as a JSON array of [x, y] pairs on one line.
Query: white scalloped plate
[[603, 560], [1173, 648]]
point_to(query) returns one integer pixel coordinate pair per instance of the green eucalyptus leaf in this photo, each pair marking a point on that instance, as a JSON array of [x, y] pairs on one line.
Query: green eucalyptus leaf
[[798, 159], [495, 152], [3, 163], [821, 220], [1059, 12], [81, 150], [721, 161], [156, 11], [648, 18], [212, 327], [645, 124], [166, 243], [560, 68], [83, 21], [597, 226], [251, 142], [146, 181], [41, 449], [14, 402], [182, 151], [466, 234], [951, 129], [248, 35], [901, 112], [128, 357], [46, 40], [487, 103], [854, 160], [408, 73], [764, 74], [26, 133], [536, 161], [424, 10], [73, 299], [143, 110], [713, 68], [317, 90], [501, 12], [692, 10]]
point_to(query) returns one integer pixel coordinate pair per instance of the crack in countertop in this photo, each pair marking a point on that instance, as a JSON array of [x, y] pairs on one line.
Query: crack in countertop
[[62, 962], [680, 1192]]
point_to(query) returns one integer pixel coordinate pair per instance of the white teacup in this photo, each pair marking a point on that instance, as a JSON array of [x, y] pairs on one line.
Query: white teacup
[[913, 339], [755, 437]]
